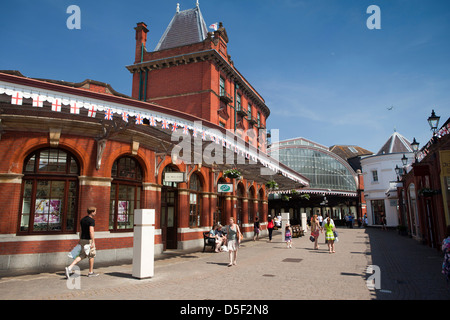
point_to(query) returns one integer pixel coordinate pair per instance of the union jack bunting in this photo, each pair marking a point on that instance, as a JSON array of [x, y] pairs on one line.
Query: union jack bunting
[[185, 129], [108, 114], [194, 132], [203, 135], [92, 112], [165, 124], [125, 116], [174, 126], [37, 101], [152, 121], [139, 119], [56, 105], [17, 98]]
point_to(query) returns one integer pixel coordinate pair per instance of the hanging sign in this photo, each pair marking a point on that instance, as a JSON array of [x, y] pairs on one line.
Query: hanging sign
[[225, 187], [174, 177]]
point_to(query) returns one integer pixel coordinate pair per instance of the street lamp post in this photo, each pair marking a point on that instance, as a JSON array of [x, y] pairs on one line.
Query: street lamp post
[[433, 121], [415, 147]]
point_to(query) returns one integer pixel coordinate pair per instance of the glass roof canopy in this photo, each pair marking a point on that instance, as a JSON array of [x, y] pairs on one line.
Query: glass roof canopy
[[324, 169]]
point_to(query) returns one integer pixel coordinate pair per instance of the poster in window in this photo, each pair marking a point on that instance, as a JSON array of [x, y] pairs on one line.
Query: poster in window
[[47, 211], [122, 214]]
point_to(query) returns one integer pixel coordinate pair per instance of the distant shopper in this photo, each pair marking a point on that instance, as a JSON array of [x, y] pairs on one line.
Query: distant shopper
[[446, 263], [270, 227], [256, 227], [315, 229], [329, 234], [233, 240], [288, 235], [87, 238], [383, 222]]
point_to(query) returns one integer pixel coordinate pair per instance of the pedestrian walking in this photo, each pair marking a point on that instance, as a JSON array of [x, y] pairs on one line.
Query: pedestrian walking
[[87, 238], [315, 229], [288, 235], [233, 239], [446, 263], [329, 234], [256, 227], [270, 227]]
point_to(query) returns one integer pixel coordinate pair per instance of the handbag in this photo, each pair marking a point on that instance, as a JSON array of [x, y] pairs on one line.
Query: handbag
[[312, 239]]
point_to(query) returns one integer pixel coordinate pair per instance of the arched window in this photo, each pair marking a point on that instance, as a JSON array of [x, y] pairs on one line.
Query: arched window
[[195, 201], [49, 192], [125, 194]]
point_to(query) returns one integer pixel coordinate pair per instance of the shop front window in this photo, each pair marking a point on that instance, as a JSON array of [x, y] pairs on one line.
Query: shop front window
[[49, 193]]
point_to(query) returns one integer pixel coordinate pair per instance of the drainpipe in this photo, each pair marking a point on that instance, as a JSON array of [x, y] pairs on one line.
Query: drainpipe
[[236, 87]]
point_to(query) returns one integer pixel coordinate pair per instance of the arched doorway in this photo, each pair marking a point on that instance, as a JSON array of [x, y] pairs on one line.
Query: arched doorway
[[169, 212]]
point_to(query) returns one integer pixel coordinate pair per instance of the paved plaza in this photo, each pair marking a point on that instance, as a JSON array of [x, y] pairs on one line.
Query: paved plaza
[[265, 271]]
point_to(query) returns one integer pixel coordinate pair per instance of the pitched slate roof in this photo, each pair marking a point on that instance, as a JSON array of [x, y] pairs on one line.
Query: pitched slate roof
[[187, 27], [396, 144]]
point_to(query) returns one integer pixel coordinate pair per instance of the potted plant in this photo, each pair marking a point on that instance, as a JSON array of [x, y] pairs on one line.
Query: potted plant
[[272, 185], [232, 173]]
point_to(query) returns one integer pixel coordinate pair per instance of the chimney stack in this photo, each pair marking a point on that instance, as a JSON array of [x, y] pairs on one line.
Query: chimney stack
[[141, 40]]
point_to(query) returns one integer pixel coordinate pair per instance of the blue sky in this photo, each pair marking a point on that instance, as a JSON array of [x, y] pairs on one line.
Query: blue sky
[[324, 75]]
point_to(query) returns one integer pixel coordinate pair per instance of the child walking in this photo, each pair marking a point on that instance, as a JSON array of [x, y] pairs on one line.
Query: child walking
[[288, 236]]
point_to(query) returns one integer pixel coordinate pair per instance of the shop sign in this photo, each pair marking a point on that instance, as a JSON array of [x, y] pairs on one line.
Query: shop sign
[[225, 187], [174, 177]]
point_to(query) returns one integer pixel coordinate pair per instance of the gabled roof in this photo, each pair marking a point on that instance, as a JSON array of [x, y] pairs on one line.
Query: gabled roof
[[396, 144], [187, 27]]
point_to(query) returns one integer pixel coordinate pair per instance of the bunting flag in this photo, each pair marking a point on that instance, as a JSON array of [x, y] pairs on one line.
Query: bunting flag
[[194, 132], [185, 129], [108, 114], [74, 108], [38, 101], [56, 105], [92, 111], [152, 121], [174, 127], [17, 98], [125, 116], [139, 119], [164, 124]]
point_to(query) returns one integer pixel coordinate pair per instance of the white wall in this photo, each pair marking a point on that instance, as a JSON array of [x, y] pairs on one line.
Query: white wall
[[384, 165]]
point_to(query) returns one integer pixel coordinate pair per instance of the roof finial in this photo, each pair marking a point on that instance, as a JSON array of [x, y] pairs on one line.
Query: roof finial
[[178, 7], [197, 4]]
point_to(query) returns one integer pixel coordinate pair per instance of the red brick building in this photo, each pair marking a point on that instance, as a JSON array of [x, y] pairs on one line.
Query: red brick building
[[67, 146]]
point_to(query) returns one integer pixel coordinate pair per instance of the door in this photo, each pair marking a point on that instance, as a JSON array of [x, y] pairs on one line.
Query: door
[[169, 218]]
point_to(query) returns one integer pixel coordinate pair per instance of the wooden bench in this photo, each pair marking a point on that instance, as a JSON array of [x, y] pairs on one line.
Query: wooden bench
[[297, 231], [206, 242]]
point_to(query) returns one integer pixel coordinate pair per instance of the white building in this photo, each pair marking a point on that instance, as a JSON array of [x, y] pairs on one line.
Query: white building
[[380, 179]]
